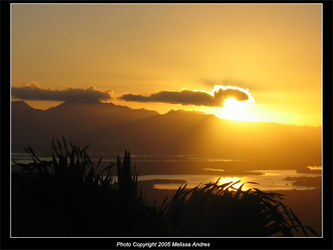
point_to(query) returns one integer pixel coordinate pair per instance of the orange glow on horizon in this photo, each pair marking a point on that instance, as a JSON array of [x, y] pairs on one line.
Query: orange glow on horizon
[[271, 52]]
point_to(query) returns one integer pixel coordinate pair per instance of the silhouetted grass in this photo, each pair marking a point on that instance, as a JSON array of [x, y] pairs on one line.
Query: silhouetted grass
[[75, 198], [69, 196], [222, 210]]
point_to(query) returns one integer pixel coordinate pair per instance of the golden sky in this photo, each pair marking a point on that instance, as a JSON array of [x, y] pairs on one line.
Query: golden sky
[[272, 51]]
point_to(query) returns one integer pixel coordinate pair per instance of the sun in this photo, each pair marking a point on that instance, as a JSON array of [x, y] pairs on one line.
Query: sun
[[234, 110], [232, 104]]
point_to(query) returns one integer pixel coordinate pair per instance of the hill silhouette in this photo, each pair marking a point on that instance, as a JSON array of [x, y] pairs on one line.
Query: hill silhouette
[[111, 128]]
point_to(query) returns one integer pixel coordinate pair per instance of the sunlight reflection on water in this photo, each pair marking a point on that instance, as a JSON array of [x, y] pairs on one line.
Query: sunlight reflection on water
[[270, 180]]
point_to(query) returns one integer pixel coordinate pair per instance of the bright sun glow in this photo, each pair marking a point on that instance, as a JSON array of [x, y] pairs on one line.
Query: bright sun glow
[[232, 104], [235, 110]]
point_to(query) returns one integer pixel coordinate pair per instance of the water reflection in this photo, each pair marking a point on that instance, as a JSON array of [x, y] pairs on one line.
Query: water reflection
[[270, 180], [267, 179]]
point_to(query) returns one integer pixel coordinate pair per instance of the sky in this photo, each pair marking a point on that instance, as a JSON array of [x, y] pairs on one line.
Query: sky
[[248, 62]]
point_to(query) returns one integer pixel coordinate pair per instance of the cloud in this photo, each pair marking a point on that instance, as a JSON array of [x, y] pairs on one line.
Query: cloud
[[215, 98], [34, 92], [184, 97]]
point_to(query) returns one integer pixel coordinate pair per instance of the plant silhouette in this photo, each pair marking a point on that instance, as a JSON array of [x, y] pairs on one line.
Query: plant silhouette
[[222, 210], [70, 197]]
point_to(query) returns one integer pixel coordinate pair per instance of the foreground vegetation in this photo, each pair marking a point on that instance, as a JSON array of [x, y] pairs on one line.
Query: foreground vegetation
[[70, 197]]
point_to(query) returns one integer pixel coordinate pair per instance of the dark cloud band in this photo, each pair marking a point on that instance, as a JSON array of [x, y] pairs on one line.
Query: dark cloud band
[[33, 92], [189, 97], [215, 98], [184, 97]]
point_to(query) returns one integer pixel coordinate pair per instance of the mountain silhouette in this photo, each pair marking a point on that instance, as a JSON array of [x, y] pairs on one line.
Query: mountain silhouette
[[110, 129]]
